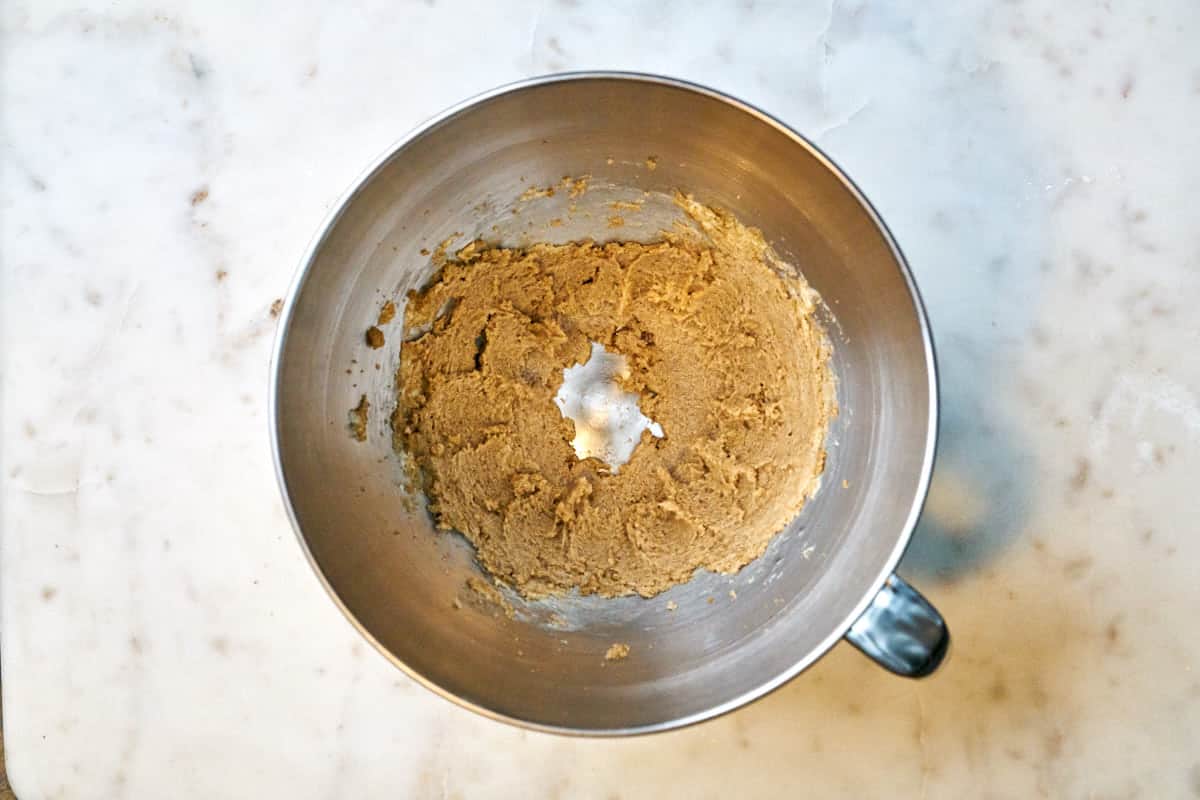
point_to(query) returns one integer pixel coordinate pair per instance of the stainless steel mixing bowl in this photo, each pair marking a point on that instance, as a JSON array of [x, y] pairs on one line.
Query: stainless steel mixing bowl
[[399, 582]]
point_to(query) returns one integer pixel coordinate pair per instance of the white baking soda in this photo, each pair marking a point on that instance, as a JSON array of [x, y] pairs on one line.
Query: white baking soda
[[608, 420]]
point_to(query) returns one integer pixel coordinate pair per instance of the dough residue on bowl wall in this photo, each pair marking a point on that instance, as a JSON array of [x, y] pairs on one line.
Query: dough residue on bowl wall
[[359, 416], [724, 353], [617, 651]]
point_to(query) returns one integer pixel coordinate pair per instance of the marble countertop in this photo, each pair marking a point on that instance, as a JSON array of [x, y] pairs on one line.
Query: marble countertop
[[164, 166]]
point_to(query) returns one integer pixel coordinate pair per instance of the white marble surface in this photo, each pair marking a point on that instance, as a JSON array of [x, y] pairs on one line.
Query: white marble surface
[[164, 166]]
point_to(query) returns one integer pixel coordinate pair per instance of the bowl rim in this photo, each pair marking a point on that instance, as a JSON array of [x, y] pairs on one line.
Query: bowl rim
[[370, 172]]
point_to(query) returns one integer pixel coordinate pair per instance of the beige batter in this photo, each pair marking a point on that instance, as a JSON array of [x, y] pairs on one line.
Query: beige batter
[[724, 352]]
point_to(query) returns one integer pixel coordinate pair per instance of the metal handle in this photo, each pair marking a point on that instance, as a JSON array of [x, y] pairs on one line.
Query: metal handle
[[901, 631]]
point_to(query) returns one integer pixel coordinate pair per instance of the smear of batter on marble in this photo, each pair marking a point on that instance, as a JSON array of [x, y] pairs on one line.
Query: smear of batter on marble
[[724, 353]]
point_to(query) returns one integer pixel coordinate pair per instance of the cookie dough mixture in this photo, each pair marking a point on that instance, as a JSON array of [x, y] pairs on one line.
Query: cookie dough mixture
[[724, 352]]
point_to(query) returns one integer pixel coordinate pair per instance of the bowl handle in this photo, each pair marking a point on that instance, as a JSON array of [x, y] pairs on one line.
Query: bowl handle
[[901, 631]]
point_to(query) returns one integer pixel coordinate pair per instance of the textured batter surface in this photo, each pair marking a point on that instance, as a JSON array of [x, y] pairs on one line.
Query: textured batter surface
[[724, 352]]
